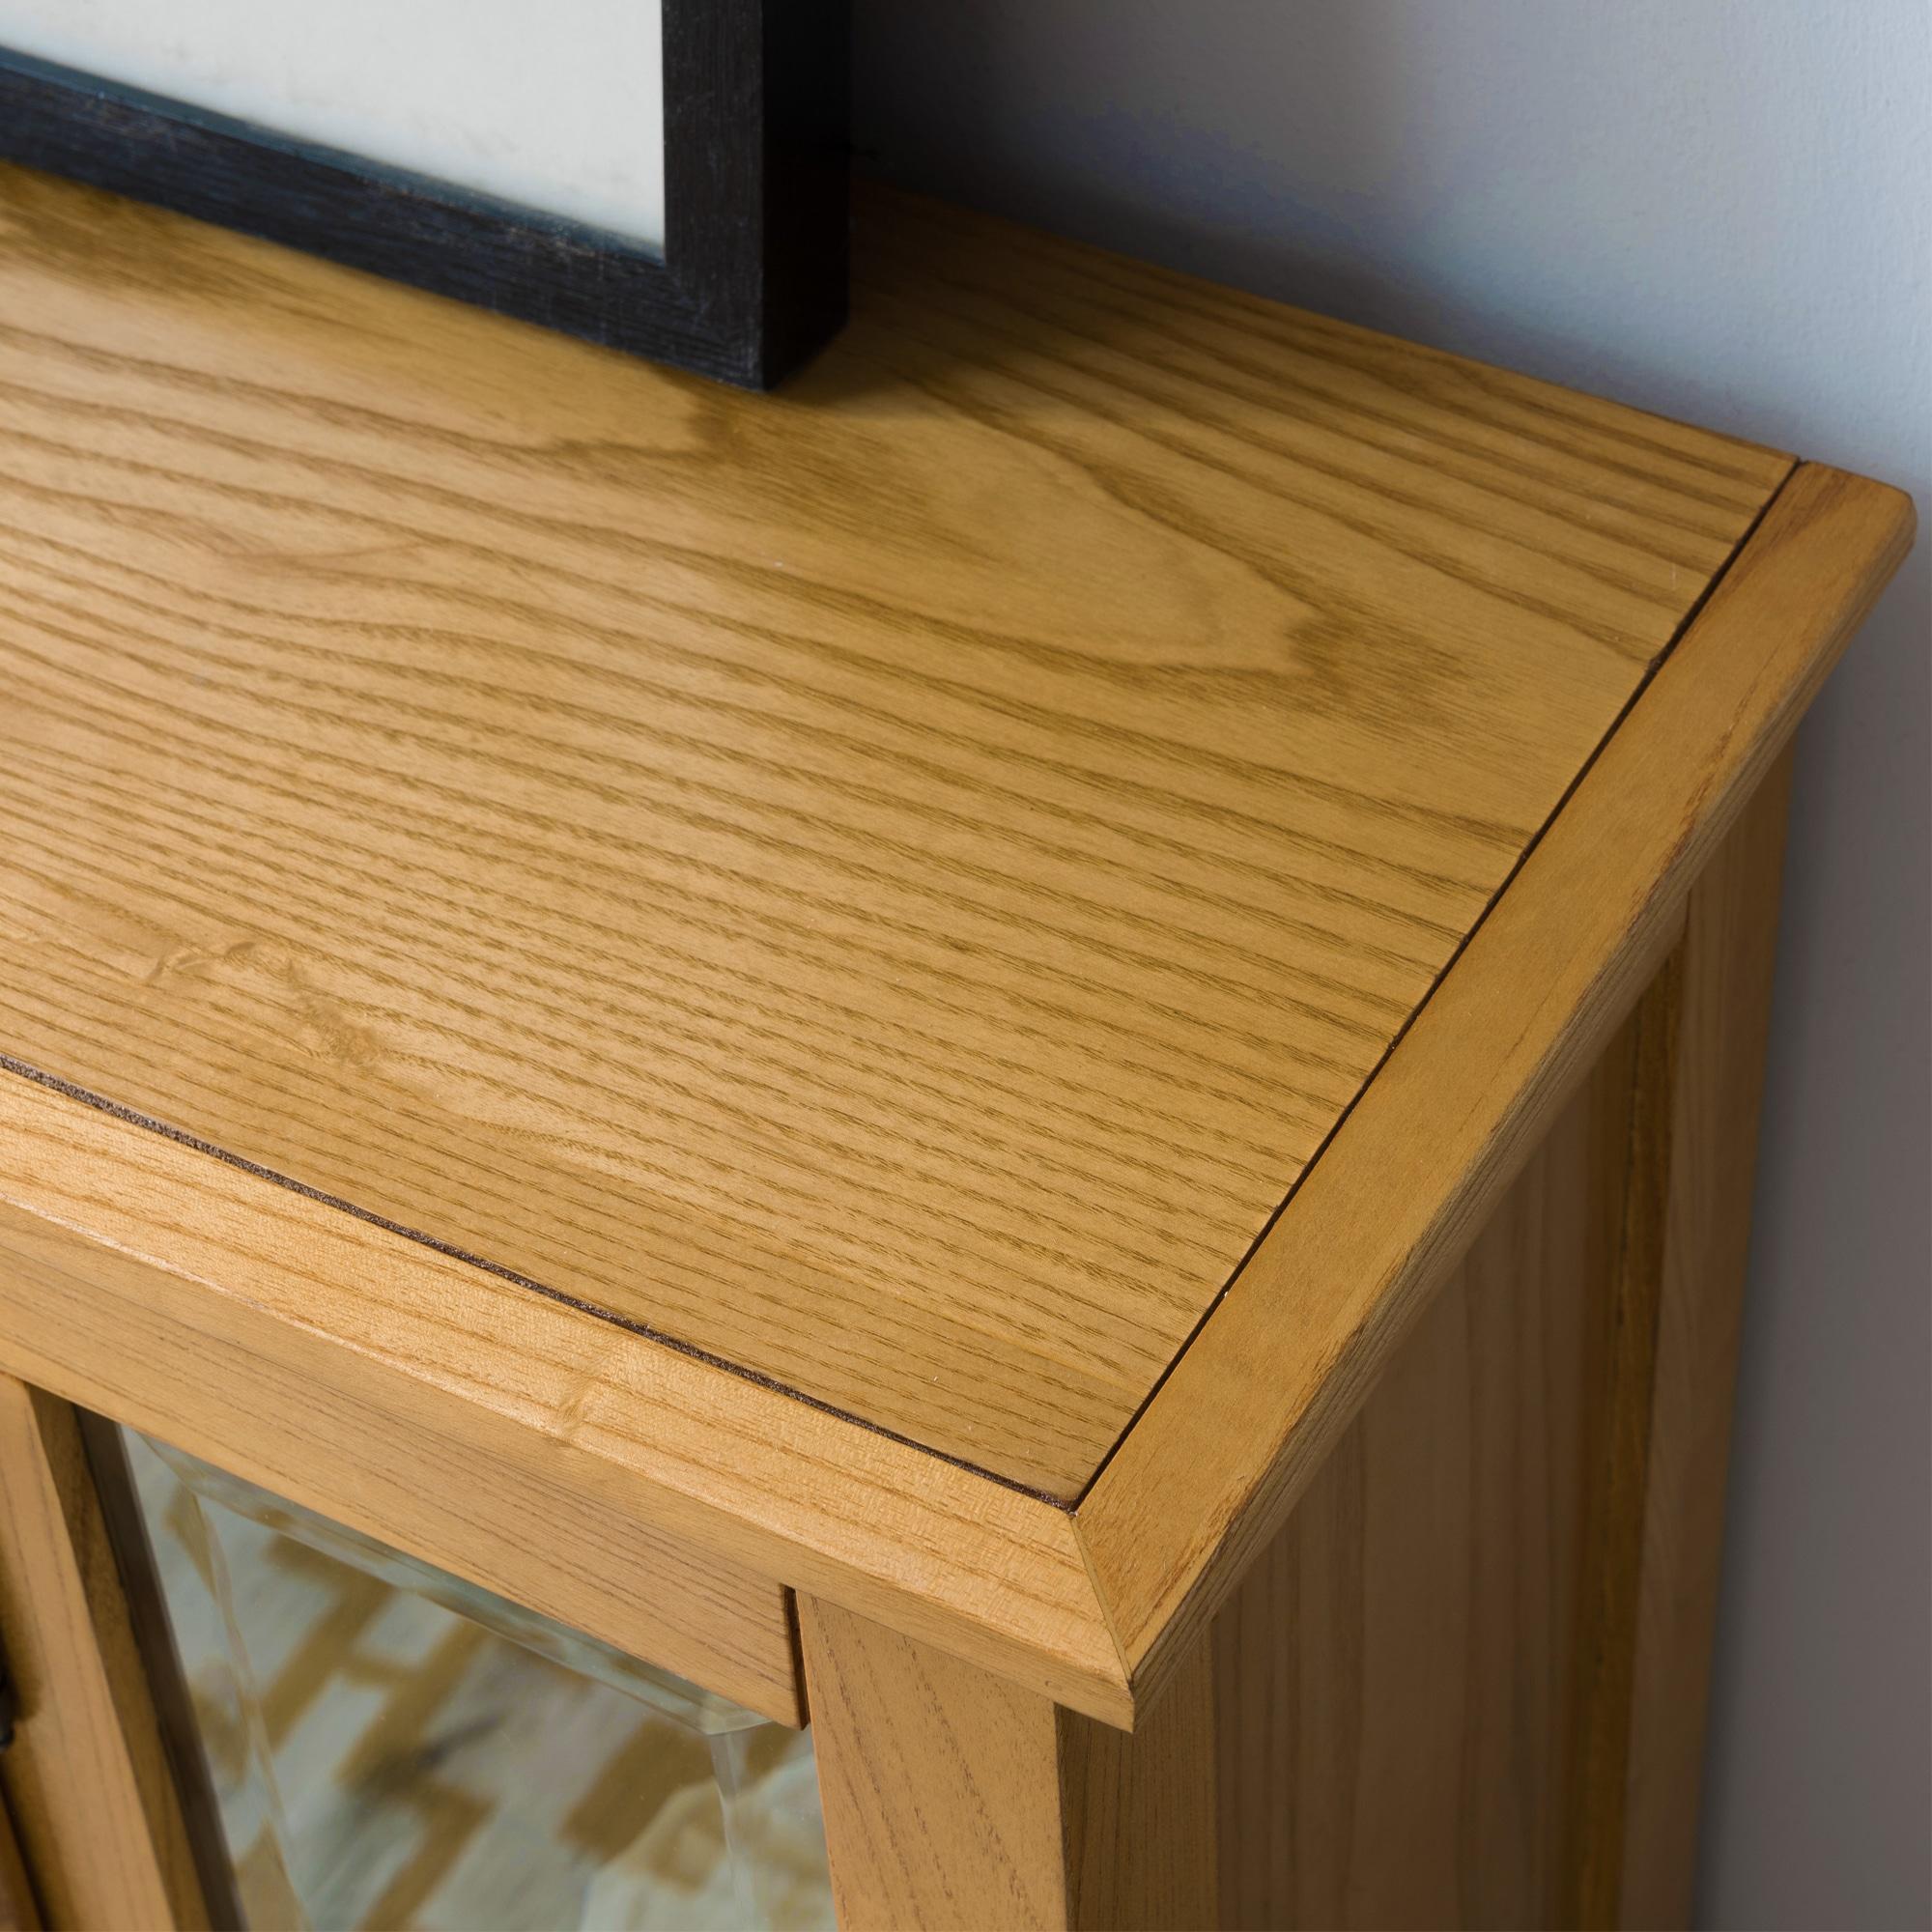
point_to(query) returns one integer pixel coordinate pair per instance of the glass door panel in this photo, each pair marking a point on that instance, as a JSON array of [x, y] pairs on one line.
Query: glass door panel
[[388, 1746]]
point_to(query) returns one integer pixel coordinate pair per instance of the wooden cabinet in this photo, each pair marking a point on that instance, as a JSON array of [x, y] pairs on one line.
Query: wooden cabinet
[[1046, 1052]]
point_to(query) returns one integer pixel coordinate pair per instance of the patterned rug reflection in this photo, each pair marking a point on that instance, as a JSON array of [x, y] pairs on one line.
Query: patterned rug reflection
[[383, 1761]]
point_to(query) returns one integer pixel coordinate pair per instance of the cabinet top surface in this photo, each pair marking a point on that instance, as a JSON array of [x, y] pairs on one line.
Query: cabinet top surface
[[887, 885]]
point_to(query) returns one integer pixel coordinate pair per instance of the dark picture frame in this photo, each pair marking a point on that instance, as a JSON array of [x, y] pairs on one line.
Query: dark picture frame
[[752, 275]]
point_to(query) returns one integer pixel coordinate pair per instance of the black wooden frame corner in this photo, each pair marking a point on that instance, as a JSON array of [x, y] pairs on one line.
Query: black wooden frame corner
[[753, 278]]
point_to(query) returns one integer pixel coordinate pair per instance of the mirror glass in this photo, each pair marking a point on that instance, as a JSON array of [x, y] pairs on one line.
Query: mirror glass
[[386, 1745]]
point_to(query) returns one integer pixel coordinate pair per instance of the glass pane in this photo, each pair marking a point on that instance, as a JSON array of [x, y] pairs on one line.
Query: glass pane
[[392, 1746]]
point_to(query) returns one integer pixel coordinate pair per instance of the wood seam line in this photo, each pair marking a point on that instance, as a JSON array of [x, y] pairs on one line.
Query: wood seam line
[[148, 1124], [89, 1209], [796, 1634], [1185, 1501], [134, 1116], [1810, 623], [1104, 1605], [1415, 1012], [728, 956]]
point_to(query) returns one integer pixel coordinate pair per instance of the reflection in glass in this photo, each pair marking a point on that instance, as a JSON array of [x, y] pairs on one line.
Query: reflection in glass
[[392, 1746]]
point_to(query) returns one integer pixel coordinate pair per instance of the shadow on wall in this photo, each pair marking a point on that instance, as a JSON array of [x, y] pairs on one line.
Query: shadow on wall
[[1123, 125], [1620, 198]]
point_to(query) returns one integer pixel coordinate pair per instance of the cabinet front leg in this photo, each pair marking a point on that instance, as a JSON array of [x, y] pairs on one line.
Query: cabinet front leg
[[953, 1798]]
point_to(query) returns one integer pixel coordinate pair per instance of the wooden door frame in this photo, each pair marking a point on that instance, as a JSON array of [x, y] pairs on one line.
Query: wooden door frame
[[87, 1778]]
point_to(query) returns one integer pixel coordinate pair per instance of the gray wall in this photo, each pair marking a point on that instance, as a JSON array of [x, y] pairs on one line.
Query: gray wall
[[1718, 209]]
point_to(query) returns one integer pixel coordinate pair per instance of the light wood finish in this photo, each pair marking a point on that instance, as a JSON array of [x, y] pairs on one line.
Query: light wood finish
[[549, 1455], [131, 1328], [1434, 1684], [593, 969], [1724, 988], [889, 885], [1424, 1703], [1396, 1675], [884, 891], [955, 1800], [163, 1665], [19, 1909], [86, 1778], [1629, 1257], [1209, 1472]]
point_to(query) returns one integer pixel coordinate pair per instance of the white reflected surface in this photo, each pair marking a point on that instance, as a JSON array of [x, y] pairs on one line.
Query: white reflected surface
[[557, 105], [390, 1745]]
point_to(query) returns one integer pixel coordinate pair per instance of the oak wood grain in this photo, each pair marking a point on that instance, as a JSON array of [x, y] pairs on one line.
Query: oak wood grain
[[1628, 1259], [1396, 1675], [1434, 1697], [940, 1784], [300, 1412], [86, 1779], [955, 1800], [1642, 1873], [1141, 1811], [587, 1471], [1464, 1684], [887, 886], [1209, 1472]]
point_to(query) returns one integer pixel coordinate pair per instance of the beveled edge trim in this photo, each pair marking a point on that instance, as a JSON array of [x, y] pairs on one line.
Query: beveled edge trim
[[348, 1366], [1214, 1466], [130, 1263], [114, 1333]]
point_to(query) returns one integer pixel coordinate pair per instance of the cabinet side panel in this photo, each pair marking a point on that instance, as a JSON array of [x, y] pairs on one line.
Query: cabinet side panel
[[1395, 1675], [1725, 1019], [1465, 1684]]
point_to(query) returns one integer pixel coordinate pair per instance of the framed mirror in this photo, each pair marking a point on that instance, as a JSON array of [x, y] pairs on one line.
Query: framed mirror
[[663, 176]]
